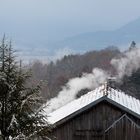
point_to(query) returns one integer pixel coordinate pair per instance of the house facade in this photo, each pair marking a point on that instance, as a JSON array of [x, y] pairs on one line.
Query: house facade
[[102, 114]]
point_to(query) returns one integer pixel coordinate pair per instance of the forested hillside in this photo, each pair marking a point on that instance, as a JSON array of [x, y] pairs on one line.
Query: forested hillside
[[56, 74], [130, 85]]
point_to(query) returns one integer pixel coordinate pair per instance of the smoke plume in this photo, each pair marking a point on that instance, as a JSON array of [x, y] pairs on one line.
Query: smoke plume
[[126, 65], [69, 92]]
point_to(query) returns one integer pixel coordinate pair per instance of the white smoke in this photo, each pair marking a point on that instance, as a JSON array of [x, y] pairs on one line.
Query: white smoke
[[69, 92], [127, 64]]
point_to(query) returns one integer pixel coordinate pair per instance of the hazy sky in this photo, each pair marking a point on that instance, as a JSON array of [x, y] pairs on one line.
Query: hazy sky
[[56, 19]]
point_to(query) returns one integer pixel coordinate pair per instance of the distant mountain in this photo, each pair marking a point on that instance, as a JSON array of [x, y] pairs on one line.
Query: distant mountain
[[33, 42], [101, 39]]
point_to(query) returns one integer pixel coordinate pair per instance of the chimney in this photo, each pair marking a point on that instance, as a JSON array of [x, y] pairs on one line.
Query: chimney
[[110, 82]]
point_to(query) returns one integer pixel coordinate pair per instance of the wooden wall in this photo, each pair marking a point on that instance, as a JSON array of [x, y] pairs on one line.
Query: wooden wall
[[124, 129], [91, 125]]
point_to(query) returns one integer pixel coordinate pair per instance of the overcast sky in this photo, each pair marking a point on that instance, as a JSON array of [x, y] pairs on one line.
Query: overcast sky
[[63, 18]]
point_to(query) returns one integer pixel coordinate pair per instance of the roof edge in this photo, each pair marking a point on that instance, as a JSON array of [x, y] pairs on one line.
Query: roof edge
[[80, 111], [120, 118], [122, 107], [104, 98]]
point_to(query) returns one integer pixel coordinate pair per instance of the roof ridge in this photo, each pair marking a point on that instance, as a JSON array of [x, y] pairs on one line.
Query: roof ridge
[[92, 97]]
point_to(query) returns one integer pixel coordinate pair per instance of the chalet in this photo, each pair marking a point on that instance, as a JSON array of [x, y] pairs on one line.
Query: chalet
[[102, 114]]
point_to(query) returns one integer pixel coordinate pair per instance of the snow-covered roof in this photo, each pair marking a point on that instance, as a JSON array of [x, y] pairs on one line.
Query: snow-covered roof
[[118, 98]]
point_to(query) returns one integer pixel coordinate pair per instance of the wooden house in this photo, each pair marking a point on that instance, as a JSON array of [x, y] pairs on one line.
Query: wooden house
[[102, 114]]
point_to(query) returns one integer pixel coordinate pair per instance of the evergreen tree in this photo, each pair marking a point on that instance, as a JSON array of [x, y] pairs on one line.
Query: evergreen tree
[[133, 45], [20, 106]]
